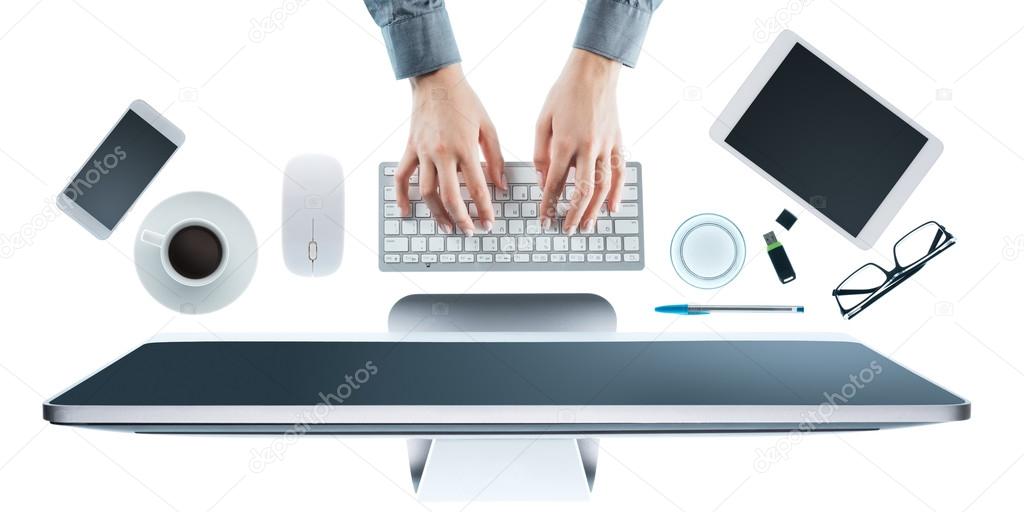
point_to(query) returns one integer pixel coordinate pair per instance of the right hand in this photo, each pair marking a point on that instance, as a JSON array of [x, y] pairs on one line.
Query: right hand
[[448, 122]]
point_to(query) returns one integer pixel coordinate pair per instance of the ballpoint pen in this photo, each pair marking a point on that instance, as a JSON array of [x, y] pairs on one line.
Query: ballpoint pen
[[693, 309]]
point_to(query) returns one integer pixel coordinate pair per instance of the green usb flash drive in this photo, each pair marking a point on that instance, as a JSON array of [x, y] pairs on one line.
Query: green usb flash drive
[[780, 260]]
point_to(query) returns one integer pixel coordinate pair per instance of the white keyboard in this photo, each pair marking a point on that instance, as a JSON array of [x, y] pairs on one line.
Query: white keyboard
[[517, 240]]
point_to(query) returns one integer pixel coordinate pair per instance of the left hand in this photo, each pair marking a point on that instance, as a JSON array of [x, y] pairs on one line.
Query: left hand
[[579, 127]]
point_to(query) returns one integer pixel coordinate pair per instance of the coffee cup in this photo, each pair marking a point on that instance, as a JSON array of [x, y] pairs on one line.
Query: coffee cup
[[193, 252]]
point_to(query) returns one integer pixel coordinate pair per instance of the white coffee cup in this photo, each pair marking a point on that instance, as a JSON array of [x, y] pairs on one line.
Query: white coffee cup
[[163, 243]]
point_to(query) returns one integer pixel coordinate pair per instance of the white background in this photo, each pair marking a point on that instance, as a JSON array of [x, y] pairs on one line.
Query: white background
[[322, 82]]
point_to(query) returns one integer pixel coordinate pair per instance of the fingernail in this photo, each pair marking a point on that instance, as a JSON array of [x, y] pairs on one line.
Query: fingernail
[[615, 208], [546, 223], [487, 226], [446, 228], [570, 231], [504, 182], [589, 225], [468, 232]]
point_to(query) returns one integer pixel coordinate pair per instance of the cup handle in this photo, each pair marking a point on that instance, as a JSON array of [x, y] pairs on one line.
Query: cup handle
[[152, 238]]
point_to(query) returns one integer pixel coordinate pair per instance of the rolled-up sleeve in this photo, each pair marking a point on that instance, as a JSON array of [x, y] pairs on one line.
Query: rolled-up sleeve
[[417, 34], [615, 28]]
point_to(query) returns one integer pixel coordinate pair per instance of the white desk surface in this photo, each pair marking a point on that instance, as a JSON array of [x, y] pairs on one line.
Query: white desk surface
[[322, 82]]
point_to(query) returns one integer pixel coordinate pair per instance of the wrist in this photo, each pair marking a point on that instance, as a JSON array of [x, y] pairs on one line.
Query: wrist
[[592, 65], [445, 77]]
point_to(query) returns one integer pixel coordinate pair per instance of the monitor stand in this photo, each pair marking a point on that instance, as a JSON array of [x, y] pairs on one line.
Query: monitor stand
[[502, 468]]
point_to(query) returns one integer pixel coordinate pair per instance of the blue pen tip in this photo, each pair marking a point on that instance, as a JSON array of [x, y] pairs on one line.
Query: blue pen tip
[[799, 309]]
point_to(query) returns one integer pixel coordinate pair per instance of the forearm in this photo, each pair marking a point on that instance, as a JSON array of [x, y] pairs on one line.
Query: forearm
[[615, 29], [417, 34]]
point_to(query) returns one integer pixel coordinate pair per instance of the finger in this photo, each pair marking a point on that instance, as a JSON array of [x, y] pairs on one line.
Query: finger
[[554, 183], [618, 178], [477, 185], [402, 174], [542, 148], [431, 195], [583, 193], [602, 183], [492, 154], [448, 177]]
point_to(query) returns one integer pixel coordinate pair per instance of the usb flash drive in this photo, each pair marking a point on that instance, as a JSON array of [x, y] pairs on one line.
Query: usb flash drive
[[780, 260]]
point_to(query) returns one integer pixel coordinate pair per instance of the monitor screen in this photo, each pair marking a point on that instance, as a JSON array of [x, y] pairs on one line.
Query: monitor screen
[[826, 139], [504, 373]]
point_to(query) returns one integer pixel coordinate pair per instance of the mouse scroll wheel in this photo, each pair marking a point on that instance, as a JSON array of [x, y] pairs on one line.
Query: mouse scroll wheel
[[312, 251]]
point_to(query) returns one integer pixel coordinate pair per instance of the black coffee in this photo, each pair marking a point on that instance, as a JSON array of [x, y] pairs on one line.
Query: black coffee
[[195, 252]]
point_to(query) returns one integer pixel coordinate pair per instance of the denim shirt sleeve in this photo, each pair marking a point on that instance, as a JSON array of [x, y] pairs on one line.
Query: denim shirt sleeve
[[417, 34], [615, 28]]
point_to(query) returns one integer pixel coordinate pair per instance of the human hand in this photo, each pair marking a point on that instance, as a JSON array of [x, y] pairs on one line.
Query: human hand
[[448, 122], [579, 126]]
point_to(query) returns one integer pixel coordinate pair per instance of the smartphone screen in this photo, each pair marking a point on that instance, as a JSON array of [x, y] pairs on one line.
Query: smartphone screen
[[120, 169]]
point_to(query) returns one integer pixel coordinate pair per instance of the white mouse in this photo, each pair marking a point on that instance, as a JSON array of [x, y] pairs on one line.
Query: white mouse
[[313, 214]]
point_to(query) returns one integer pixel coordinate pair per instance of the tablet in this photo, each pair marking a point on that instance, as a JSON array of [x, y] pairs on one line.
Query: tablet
[[824, 138], [522, 383]]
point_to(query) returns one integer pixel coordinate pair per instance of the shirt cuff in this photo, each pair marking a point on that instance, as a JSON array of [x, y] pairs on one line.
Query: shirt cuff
[[421, 44], [614, 29]]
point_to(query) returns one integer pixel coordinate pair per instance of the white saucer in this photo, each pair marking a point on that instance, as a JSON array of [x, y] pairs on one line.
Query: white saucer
[[241, 258], [708, 251]]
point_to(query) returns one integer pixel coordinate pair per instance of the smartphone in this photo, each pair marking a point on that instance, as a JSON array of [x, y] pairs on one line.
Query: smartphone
[[121, 168]]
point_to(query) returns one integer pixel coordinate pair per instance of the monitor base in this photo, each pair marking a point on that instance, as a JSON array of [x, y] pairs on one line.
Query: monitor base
[[503, 469]]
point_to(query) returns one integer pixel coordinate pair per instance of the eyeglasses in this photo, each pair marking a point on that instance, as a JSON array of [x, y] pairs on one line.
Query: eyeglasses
[[870, 282]]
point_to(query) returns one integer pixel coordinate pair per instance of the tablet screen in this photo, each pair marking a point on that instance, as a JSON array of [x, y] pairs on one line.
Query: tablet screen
[[826, 139]]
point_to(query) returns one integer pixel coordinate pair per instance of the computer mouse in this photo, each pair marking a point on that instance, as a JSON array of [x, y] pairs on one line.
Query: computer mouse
[[313, 215]]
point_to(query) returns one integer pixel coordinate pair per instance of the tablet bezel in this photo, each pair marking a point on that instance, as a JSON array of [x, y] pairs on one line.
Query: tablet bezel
[[899, 193]]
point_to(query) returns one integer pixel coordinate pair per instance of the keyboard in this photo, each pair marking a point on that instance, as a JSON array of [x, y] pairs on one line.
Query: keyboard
[[517, 240]]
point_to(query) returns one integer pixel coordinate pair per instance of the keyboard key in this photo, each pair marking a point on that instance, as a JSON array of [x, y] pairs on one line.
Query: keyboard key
[[414, 193], [508, 244], [473, 211], [419, 244], [613, 258], [520, 193], [533, 227], [558, 258], [595, 258], [500, 227], [627, 227], [576, 258], [613, 243], [578, 243], [454, 244], [529, 209], [389, 194], [626, 210], [490, 244], [389, 171], [630, 175], [502, 258], [596, 243], [484, 258], [540, 258], [501, 195], [536, 193], [396, 244], [511, 210], [427, 227], [422, 210], [435, 244], [525, 244], [631, 243], [410, 258], [604, 227], [464, 193], [466, 258], [543, 243], [471, 244], [408, 227], [521, 258], [391, 210], [561, 243], [631, 256], [428, 258], [391, 227], [447, 258], [516, 227], [392, 258], [630, 193]]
